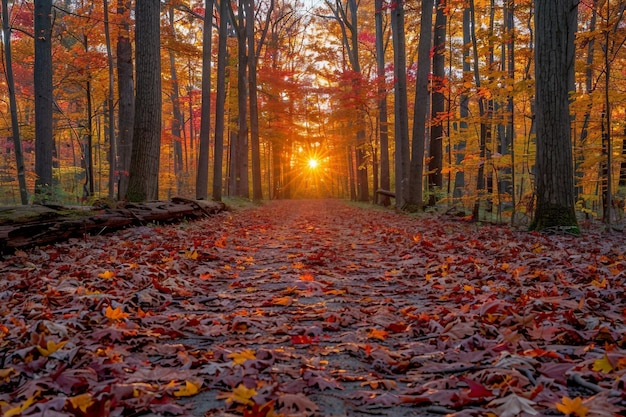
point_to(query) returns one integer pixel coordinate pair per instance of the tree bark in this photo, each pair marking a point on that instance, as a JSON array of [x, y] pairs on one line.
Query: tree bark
[[220, 101], [110, 106], [44, 141], [177, 115], [143, 182], [383, 123], [401, 116], [202, 175], [555, 26], [435, 162], [415, 197], [15, 127], [126, 97]]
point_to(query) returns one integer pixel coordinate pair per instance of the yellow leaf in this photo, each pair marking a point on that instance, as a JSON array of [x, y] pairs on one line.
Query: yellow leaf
[[188, 390], [115, 314], [51, 347], [5, 374], [191, 255], [241, 395], [603, 364], [599, 284], [468, 288], [572, 407], [377, 334], [106, 274], [239, 358], [18, 410], [82, 401]]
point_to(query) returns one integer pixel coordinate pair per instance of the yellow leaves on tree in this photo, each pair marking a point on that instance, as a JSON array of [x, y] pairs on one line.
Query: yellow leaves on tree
[[573, 407]]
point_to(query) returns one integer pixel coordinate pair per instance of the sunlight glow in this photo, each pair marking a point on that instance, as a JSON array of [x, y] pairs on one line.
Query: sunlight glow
[[313, 163]]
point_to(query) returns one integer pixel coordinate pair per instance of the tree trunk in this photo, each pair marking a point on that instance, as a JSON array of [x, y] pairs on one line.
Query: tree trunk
[[239, 144], [459, 177], [383, 129], [415, 198], [555, 26], [202, 175], [126, 96], [401, 119], [220, 101], [435, 162], [44, 141], [143, 182], [15, 127], [176, 113], [110, 105]]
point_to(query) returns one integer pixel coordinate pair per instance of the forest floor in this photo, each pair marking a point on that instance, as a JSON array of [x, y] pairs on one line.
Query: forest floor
[[316, 308]]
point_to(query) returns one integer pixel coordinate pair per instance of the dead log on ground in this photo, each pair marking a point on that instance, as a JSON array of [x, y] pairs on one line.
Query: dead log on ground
[[36, 225]]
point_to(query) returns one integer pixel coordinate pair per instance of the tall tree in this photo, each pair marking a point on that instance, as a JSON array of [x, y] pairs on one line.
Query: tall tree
[[253, 54], [435, 154], [177, 115], [239, 141], [220, 100], [143, 179], [44, 141], [401, 115], [555, 27], [415, 196], [110, 105], [15, 126], [202, 175], [383, 129], [126, 95]]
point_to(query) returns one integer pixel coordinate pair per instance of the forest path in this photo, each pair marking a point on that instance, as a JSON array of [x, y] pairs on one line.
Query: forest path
[[314, 308]]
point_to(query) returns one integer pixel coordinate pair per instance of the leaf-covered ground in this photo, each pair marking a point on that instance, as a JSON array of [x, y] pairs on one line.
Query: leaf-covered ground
[[316, 308]]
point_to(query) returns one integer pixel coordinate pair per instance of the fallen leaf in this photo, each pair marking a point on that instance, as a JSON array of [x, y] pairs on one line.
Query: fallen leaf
[[190, 388], [82, 401], [572, 407], [512, 405], [239, 358], [115, 313]]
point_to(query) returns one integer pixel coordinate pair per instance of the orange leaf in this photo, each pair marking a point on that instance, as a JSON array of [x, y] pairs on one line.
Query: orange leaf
[[377, 334], [107, 274], [307, 277], [115, 314], [572, 407]]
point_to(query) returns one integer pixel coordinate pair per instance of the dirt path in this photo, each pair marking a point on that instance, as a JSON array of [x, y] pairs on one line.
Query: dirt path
[[314, 308]]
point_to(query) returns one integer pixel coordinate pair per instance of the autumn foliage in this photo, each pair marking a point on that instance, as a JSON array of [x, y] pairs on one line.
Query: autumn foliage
[[315, 308]]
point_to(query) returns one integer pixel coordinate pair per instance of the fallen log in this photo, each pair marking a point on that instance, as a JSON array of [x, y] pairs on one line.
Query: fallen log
[[36, 225]]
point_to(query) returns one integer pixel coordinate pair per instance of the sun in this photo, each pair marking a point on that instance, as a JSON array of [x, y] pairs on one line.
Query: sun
[[313, 163]]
